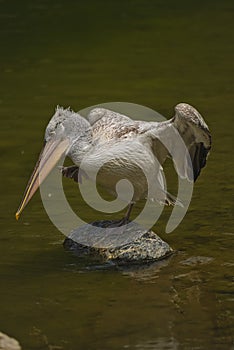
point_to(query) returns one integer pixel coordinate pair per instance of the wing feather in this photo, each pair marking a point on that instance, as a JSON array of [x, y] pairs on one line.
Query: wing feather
[[195, 134], [187, 139], [108, 125]]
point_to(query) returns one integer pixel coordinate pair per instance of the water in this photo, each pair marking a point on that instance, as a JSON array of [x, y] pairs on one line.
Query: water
[[79, 54]]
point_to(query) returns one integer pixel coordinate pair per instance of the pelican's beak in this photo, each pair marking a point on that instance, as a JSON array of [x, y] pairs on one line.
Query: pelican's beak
[[49, 156]]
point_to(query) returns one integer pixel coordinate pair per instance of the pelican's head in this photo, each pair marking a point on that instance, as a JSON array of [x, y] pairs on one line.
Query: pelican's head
[[62, 133]]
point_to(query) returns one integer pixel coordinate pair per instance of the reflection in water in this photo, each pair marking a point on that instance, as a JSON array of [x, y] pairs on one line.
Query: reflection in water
[[146, 273], [194, 260], [159, 344]]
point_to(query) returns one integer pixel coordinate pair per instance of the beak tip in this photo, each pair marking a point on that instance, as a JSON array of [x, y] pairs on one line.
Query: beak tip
[[17, 215]]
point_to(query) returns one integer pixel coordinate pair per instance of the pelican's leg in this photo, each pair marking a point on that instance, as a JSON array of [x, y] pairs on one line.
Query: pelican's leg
[[128, 212], [125, 219], [73, 172]]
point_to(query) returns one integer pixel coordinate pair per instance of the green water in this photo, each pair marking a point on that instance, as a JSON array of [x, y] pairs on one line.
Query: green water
[[154, 53]]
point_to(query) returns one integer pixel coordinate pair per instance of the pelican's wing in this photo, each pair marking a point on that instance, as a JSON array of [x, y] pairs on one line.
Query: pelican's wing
[[107, 124], [185, 137]]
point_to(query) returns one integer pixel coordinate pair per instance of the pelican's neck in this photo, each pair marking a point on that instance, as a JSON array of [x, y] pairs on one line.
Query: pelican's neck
[[80, 146]]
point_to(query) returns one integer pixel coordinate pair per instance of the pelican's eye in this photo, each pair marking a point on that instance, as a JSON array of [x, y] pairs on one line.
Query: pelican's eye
[[59, 127]]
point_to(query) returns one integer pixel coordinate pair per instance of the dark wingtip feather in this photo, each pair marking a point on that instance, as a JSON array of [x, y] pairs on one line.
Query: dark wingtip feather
[[199, 159]]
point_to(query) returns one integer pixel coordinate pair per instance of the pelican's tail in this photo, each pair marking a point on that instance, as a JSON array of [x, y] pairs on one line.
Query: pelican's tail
[[172, 200]]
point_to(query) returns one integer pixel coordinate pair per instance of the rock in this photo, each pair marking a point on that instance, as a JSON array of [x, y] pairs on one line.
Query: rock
[[122, 244], [7, 343]]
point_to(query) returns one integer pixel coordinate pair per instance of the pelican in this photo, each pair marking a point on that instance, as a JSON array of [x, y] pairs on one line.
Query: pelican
[[120, 147]]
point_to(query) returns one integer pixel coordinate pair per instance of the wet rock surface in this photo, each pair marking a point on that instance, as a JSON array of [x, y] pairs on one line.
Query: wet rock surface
[[122, 244]]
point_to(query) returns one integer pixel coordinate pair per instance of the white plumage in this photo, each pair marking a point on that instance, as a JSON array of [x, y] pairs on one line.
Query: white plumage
[[118, 147], [124, 148]]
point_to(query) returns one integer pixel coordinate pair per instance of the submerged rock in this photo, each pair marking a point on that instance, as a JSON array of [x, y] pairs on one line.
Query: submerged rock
[[119, 244], [7, 343]]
